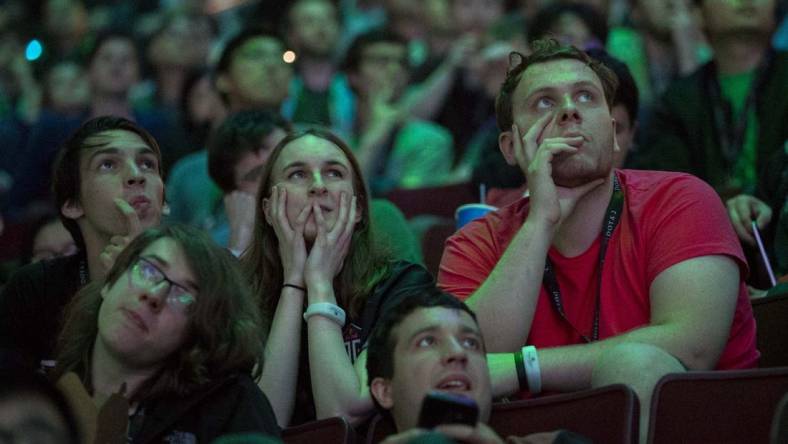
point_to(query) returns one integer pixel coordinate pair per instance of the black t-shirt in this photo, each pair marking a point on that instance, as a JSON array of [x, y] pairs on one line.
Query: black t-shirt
[[31, 310], [234, 405], [404, 279]]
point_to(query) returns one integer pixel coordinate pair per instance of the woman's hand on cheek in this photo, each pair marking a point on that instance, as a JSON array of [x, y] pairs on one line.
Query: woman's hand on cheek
[[292, 248], [330, 248]]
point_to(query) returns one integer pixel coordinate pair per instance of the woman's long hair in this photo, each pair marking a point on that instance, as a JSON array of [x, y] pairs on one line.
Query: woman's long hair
[[224, 332], [365, 264]]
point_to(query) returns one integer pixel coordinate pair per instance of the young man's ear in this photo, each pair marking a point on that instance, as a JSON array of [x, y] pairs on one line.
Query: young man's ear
[[380, 388], [71, 209], [506, 145]]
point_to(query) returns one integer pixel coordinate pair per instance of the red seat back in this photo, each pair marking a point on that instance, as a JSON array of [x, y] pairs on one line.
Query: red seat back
[[716, 406], [606, 415]]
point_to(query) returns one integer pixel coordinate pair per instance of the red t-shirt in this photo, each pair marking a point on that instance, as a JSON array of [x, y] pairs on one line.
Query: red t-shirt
[[667, 218]]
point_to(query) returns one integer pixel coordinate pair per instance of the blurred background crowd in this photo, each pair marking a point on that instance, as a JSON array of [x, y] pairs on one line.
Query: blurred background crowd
[[410, 84]]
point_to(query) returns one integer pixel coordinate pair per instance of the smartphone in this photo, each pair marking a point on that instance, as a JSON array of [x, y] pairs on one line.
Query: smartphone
[[446, 408]]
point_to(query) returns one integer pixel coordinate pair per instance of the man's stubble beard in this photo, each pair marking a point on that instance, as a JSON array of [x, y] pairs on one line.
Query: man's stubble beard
[[576, 169]]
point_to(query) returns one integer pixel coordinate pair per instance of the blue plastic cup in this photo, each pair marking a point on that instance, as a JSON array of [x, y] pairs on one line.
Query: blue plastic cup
[[468, 212]]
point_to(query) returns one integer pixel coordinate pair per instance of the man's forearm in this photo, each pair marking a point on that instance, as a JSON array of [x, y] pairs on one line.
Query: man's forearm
[[569, 368], [506, 301]]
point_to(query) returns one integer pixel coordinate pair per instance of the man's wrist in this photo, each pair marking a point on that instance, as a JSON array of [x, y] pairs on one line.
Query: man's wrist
[[540, 224]]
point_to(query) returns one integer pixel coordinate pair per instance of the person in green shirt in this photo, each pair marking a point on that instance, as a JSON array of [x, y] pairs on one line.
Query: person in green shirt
[[726, 121]]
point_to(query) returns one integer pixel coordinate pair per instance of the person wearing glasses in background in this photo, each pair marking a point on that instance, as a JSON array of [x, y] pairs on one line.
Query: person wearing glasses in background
[[162, 349]]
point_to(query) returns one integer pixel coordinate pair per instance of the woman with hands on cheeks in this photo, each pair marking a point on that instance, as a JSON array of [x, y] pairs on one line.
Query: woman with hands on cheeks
[[315, 266]]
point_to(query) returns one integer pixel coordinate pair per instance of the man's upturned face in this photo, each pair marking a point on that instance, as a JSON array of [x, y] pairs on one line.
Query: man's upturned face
[[572, 93], [117, 165], [738, 16], [440, 349]]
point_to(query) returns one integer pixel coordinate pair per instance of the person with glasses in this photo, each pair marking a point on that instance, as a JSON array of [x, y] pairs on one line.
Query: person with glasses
[[600, 275], [394, 148], [164, 347]]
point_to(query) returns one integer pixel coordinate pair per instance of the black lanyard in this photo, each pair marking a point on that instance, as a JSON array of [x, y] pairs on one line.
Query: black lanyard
[[612, 217], [732, 134]]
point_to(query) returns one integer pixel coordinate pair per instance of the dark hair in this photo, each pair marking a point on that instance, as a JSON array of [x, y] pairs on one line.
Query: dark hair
[[365, 264], [224, 331], [541, 23], [382, 341], [111, 34], [546, 51], [239, 134], [66, 174], [17, 384], [354, 53], [627, 90]]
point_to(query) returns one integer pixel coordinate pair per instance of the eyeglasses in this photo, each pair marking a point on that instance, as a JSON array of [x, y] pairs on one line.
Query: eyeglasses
[[144, 274]]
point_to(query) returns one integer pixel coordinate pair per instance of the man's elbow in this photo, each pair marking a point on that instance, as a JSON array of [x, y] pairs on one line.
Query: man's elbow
[[353, 418], [700, 357], [354, 412]]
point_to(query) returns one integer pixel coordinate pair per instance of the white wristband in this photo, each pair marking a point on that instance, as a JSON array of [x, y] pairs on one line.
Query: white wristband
[[327, 310], [532, 372]]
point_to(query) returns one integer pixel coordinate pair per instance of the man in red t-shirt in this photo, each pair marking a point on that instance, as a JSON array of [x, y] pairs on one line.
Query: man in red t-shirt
[[606, 276]]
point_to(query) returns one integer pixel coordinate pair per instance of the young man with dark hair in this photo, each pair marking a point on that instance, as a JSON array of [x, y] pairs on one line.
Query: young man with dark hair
[[237, 152], [251, 74], [605, 275], [429, 341], [725, 123], [108, 187]]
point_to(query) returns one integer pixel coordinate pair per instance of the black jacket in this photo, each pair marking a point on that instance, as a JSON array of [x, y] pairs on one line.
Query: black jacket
[[232, 405]]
